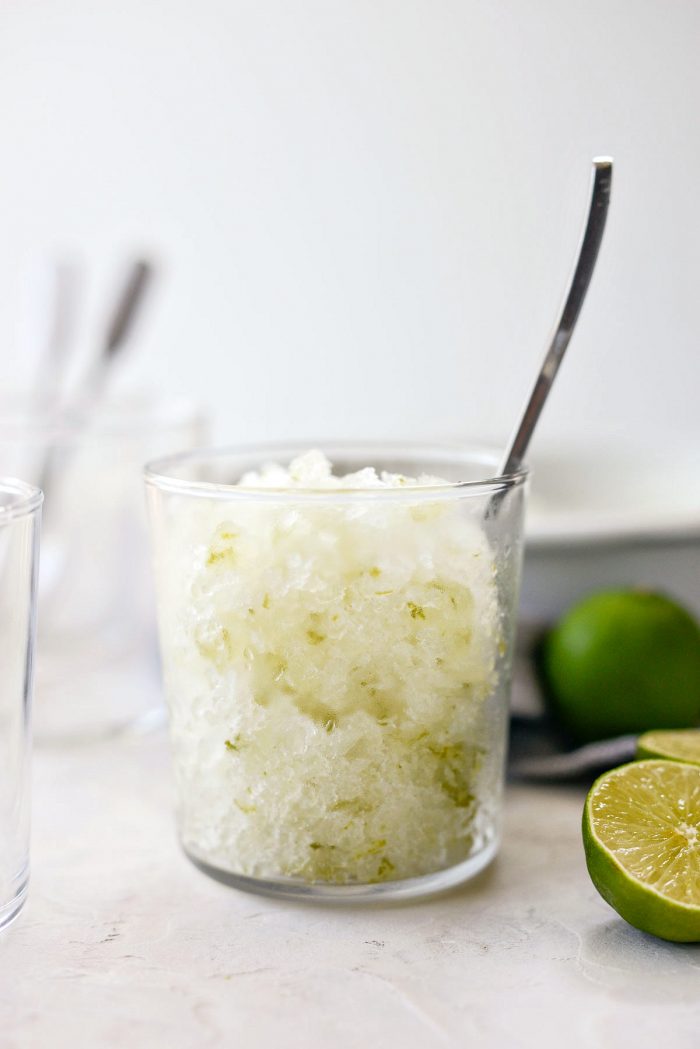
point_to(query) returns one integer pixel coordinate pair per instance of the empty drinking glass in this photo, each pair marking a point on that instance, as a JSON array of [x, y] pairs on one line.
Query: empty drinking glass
[[96, 638], [20, 510]]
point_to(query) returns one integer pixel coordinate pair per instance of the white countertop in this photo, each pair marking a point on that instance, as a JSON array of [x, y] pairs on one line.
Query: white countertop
[[124, 943]]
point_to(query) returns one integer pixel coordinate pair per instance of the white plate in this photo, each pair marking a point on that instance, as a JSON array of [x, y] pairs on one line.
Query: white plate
[[581, 498], [608, 520]]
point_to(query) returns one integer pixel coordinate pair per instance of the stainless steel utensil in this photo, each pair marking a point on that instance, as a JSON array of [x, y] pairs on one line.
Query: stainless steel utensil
[[56, 298], [121, 321], [585, 264], [573, 764]]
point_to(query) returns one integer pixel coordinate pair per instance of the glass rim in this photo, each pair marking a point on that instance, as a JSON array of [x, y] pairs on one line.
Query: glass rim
[[28, 499], [132, 412], [161, 473]]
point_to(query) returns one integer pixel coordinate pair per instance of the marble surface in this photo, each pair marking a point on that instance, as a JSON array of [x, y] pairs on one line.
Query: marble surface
[[124, 943]]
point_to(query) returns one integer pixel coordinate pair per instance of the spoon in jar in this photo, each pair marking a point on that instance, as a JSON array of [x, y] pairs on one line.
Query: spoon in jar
[[87, 401], [583, 271], [128, 306]]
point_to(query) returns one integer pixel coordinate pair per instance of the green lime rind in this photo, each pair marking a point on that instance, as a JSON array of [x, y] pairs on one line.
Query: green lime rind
[[671, 745], [639, 904]]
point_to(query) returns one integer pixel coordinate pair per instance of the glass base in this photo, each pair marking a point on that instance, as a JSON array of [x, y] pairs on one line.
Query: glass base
[[10, 910], [382, 892]]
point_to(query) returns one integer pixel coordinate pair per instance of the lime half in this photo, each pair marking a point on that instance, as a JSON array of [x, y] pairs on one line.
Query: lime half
[[683, 745], [641, 833]]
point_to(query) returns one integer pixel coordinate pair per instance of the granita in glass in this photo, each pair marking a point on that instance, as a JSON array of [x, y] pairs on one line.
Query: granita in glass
[[336, 647]]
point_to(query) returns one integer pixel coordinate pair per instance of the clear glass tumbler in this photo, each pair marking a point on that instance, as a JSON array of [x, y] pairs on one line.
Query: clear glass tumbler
[[96, 643], [337, 662], [20, 511]]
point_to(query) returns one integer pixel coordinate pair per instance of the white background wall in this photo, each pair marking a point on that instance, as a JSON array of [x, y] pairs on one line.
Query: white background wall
[[367, 209]]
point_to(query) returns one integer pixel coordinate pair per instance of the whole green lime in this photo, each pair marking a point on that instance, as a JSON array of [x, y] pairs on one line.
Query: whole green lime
[[623, 661]]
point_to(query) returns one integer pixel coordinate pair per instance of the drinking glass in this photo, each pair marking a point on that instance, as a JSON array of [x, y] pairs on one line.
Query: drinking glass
[[20, 511], [337, 662], [96, 647]]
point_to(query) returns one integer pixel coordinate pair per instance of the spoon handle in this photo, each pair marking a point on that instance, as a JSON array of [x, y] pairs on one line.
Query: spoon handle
[[128, 305], [585, 264]]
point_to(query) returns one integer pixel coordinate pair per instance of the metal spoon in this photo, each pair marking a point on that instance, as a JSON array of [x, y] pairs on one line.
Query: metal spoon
[[606, 752], [52, 294], [573, 764], [87, 401], [128, 304], [585, 264]]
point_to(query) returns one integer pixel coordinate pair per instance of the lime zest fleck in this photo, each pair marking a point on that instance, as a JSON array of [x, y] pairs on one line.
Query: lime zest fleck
[[247, 810], [218, 554], [453, 773], [385, 867], [375, 848], [417, 739]]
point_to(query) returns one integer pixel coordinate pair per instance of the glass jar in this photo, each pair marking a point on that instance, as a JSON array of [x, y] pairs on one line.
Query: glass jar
[[337, 659], [20, 511], [96, 643]]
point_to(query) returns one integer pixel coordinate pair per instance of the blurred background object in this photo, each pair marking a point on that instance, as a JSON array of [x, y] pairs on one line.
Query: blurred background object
[[95, 595], [85, 448], [602, 516], [20, 512]]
